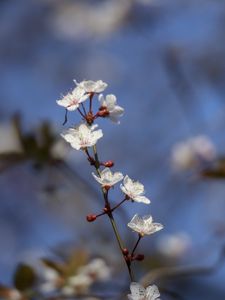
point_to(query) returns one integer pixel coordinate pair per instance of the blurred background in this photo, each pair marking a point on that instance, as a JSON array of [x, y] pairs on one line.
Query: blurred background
[[165, 62]]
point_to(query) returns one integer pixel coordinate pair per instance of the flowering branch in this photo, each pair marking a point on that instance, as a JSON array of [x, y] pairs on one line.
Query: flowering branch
[[85, 136]]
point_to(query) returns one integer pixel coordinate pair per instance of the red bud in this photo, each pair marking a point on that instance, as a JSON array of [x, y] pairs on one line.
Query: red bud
[[139, 257], [91, 218], [125, 251], [108, 164]]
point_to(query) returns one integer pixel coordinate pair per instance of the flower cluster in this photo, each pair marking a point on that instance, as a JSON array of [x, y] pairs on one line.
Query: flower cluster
[[85, 137], [67, 278]]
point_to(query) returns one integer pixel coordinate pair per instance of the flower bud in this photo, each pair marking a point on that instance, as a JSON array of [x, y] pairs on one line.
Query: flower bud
[[91, 218], [125, 251], [103, 112], [108, 164], [139, 257]]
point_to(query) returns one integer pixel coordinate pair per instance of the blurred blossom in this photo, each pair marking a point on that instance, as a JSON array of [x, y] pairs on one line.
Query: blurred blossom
[[9, 141], [59, 149], [50, 279], [77, 19], [192, 152], [80, 284], [96, 269], [14, 295], [174, 245]]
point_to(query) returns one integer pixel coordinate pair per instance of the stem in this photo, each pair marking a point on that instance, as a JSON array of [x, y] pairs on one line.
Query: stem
[[90, 104], [85, 113], [135, 246], [90, 158], [81, 112], [115, 207], [110, 214]]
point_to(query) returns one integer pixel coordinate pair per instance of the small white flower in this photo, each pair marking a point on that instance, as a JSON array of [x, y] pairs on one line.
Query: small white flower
[[96, 269], [73, 99], [138, 292], [134, 190], [144, 225], [114, 111], [108, 178], [90, 86], [82, 136]]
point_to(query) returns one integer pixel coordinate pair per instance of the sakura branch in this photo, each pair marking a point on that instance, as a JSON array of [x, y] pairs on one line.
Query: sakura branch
[[84, 137]]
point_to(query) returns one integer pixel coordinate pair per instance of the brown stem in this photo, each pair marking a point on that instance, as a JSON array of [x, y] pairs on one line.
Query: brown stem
[[115, 207], [81, 113], [85, 113], [110, 214], [135, 246]]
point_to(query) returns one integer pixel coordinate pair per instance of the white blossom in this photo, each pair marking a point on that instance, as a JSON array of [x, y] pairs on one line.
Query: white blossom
[[108, 178], [80, 283], [174, 245], [138, 292], [134, 190], [189, 153], [82, 136], [109, 103], [50, 279], [96, 269], [73, 99], [90, 86], [144, 225]]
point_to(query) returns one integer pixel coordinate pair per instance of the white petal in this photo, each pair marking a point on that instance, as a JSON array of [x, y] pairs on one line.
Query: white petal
[[97, 134], [157, 226], [101, 99], [106, 172], [123, 189], [142, 199], [152, 292], [118, 176], [147, 219], [110, 101], [117, 111], [137, 290], [97, 178]]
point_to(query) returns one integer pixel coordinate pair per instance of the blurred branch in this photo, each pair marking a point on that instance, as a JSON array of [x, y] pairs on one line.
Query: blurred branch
[[174, 272]]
